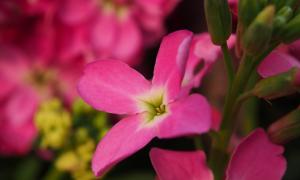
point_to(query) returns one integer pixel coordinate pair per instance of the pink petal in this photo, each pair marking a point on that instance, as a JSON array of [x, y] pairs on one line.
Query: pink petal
[[104, 34], [204, 52], [190, 115], [157, 7], [12, 60], [6, 87], [76, 11], [69, 78], [295, 49], [257, 158], [111, 86], [216, 119], [21, 106], [171, 61], [124, 139], [277, 62], [172, 165], [71, 40], [16, 140], [129, 42]]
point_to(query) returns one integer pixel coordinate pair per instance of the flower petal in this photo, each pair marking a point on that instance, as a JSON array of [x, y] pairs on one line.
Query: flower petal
[[21, 106], [111, 86], [171, 61], [277, 62], [202, 52], [172, 165], [124, 139], [16, 140], [257, 158], [190, 115], [76, 11], [129, 43], [295, 49], [102, 39]]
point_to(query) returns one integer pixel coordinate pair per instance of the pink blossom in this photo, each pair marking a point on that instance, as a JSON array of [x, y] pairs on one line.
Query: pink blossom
[[203, 54], [280, 60], [152, 109], [178, 165], [117, 29], [27, 82], [256, 157]]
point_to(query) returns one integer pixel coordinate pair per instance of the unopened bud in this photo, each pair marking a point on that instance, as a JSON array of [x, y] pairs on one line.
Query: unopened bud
[[283, 16], [218, 18], [279, 85], [248, 10], [286, 128], [259, 33], [291, 30]]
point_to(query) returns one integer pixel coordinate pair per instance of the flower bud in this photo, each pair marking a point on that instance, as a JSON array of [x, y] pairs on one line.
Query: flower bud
[[279, 85], [257, 37], [291, 31], [282, 17], [286, 128], [218, 18], [248, 10]]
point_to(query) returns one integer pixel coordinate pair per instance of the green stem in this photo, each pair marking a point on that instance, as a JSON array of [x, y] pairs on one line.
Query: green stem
[[228, 63], [219, 157]]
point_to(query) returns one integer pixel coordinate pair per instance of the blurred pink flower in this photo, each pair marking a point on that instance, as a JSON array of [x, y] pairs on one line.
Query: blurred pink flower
[[26, 82], [117, 29], [256, 157], [153, 109], [280, 60]]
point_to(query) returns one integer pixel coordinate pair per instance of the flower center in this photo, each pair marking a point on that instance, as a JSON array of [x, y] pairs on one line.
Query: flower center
[[120, 9], [39, 78], [153, 105]]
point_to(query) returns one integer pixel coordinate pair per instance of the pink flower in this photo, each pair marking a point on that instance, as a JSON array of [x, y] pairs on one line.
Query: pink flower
[[25, 83], [117, 29], [152, 109], [280, 60], [179, 165], [256, 157], [203, 54]]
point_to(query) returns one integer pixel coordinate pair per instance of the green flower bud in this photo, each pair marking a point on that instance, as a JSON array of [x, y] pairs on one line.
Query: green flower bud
[[257, 37], [291, 31], [248, 10], [286, 128], [218, 18], [283, 16], [278, 85]]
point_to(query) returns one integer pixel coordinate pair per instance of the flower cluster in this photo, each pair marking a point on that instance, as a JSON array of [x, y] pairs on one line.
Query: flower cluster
[[54, 52]]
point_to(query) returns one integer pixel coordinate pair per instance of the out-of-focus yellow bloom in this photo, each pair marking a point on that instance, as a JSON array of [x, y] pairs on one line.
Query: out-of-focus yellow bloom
[[53, 123], [68, 161], [77, 161]]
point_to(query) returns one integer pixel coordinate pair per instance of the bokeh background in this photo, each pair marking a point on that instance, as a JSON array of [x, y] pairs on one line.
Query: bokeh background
[[188, 14]]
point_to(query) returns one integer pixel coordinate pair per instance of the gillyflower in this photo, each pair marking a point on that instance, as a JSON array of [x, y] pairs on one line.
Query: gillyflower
[[116, 28], [203, 54], [25, 83], [256, 157], [280, 60], [153, 109]]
